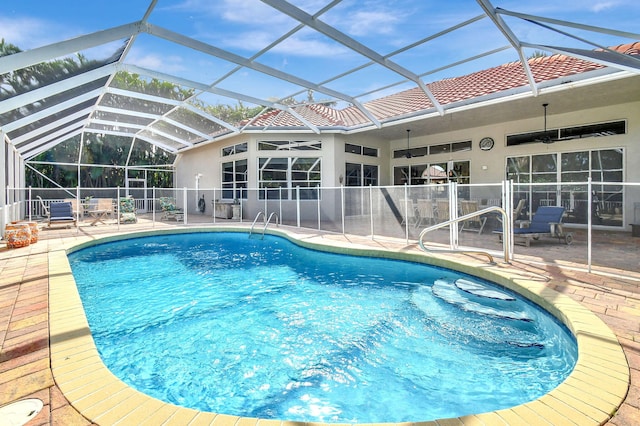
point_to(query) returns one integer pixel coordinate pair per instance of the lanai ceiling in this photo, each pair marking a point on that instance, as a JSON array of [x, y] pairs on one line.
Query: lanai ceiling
[[271, 55]]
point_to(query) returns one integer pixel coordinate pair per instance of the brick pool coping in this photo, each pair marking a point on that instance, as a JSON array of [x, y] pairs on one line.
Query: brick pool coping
[[590, 395]]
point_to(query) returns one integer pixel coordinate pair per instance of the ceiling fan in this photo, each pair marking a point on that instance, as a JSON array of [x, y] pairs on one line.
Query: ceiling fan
[[545, 137]]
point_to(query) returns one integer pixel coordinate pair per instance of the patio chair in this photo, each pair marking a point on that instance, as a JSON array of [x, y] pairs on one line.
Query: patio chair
[[475, 223], [426, 212], [128, 210], [99, 209], [44, 207], [169, 209], [61, 213], [442, 210], [546, 221], [408, 206], [517, 211], [74, 207]]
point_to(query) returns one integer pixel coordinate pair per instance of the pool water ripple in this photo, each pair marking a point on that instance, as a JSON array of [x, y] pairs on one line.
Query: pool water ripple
[[264, 328]]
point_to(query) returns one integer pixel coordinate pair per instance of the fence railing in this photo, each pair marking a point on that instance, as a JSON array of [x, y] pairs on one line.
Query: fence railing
[[373, 211]]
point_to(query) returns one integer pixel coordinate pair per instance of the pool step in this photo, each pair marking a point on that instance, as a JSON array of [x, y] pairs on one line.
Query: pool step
[[510, 328], [481, 290], [474, 297]]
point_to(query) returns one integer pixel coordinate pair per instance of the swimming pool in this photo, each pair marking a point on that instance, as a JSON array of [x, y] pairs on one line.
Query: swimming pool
[[194, 270]]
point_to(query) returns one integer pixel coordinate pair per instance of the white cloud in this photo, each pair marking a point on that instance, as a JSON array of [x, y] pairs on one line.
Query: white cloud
[[600, 6], [28, 33], [251, 12], [368, 22], [306, 45], [249, 40], [167, 64], [301, 46]]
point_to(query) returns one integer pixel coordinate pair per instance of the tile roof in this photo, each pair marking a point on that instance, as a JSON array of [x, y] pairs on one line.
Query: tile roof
[[506, 77]]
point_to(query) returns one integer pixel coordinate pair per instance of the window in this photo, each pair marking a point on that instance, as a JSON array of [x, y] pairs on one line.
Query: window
[[369, 152], [440, 149], [563, 177], [461, 146], [361, 175], [289, 145], [568, 133], [418, 174], [360, 150], [433, 149], [594, 130], [281, 176], [414, 152], [353, 149], [410, 175], [234, 149], [234, 179]]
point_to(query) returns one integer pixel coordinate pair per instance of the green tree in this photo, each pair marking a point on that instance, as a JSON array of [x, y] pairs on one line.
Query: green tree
[[537, 54], [233, 114]]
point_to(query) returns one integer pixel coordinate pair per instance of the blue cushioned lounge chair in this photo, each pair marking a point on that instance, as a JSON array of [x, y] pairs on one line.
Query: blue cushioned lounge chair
[[61, 213], [547, 221]]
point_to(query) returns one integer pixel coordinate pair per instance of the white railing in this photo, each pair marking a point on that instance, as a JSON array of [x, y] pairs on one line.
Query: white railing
[[373, 211]]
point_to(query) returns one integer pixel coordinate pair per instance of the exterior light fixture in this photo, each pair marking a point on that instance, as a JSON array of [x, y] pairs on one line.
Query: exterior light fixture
[[408, 154]]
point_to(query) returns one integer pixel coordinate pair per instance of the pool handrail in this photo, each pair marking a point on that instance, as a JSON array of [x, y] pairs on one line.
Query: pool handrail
[[254, 222], [506, 228], [266, 222], [269, 220]]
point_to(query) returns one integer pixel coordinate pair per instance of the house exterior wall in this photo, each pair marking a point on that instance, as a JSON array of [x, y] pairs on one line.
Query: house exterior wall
[[485, 166], [495, 159], [207, 159]]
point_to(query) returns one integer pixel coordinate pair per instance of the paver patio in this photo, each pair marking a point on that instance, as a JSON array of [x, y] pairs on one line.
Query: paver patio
[[25, 369]]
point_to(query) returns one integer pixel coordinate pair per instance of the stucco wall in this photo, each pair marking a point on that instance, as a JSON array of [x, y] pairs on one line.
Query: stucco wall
[[495, 159], [207, 159]]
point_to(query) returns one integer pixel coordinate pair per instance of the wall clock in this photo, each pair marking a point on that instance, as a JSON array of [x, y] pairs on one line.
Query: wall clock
[[486, 144]]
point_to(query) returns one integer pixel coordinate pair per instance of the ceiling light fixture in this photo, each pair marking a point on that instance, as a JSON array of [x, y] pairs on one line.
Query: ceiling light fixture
[[408, 154]]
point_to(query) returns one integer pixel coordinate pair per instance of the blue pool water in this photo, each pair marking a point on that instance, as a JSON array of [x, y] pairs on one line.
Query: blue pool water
[[264, 328]]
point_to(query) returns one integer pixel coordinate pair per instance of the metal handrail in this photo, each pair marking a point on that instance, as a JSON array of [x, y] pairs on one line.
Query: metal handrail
[[266, 223], [269, 220], [506, 223], [254, 222]]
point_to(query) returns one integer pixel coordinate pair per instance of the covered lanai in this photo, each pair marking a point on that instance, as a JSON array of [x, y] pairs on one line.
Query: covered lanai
[[340, 116]]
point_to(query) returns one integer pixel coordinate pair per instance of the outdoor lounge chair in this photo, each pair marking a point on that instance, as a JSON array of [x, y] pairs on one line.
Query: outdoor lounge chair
[[169, 209], [61, 213], [547, 221], [128, 210]]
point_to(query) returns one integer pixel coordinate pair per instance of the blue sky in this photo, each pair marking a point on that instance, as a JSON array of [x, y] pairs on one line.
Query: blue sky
[[245, 27]]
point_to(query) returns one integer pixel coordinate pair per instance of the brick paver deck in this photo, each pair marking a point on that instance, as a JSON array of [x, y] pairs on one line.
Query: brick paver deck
[[25, 364]]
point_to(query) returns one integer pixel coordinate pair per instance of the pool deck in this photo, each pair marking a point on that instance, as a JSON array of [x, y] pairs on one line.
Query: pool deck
[[41, 331]]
